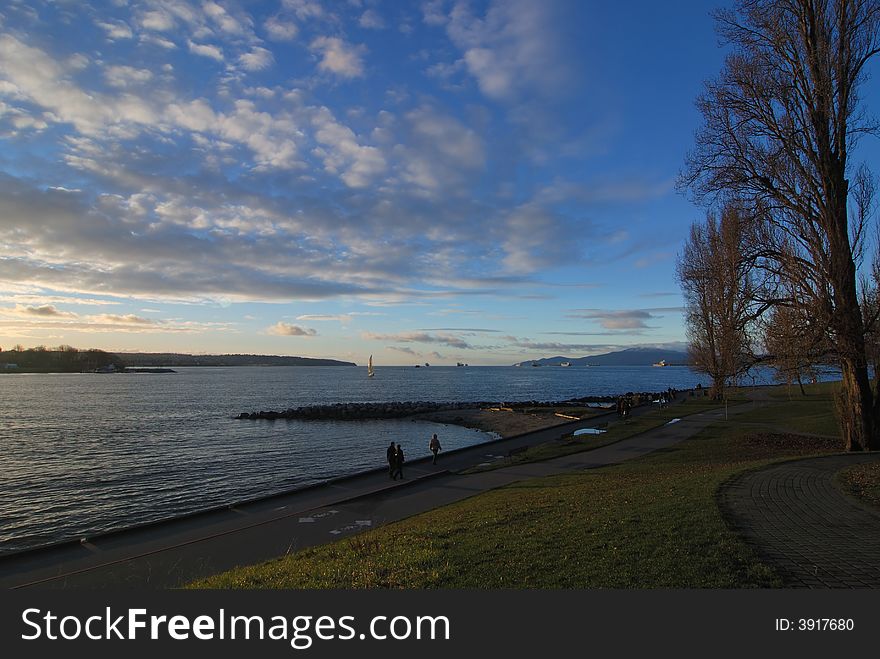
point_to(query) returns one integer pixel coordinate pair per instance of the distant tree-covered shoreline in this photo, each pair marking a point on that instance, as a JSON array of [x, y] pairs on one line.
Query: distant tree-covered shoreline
[[67, 359]]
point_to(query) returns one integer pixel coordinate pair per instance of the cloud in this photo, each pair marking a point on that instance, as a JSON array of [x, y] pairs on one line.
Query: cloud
[[405, 350], [124, 319], [257, 59], [286, 329], [459, 329], [441, 152], [341, 318], [420, 337], [338, 57], [156, 20], [280, 30], [627, 319], [223, 19], [371, 20], [589, 348], [618, 320], [41, 311], [357, 165], [29, 73], [126, 76], [206, 50], [513, 50], [304, 9], [434, 12], [116, 29], [536, 237]]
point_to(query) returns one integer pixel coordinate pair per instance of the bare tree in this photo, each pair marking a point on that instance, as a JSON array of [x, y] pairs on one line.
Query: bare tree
[[794, 344], [779, 125], [717, 275]]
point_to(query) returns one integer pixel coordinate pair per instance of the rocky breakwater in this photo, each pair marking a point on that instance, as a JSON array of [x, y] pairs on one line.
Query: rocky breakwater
[[396, 410], [354, 411]]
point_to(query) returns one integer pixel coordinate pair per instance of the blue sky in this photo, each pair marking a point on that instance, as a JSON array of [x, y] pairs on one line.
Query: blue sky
[[433, 181]]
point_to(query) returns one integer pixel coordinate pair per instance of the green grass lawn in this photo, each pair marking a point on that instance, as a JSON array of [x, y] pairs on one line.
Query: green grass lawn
[[652, 522]]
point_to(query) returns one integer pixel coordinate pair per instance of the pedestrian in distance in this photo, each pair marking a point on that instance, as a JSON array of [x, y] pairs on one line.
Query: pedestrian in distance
[[434, 447], [398, 463], [391, 455]]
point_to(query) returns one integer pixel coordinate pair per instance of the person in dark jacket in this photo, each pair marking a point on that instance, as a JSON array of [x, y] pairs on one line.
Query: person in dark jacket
[[391, 455], [434, 447], [398, 463]]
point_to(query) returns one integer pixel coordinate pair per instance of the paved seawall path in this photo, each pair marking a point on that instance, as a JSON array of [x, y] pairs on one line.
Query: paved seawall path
[[799, 522]]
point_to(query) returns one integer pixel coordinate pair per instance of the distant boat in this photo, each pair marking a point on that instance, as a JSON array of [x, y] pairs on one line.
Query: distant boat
[[370, 372], [535, 364], [662, 362], [565, 363]]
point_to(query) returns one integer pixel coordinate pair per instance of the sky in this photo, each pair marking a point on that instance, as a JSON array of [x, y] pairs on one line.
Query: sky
[[439, 181]]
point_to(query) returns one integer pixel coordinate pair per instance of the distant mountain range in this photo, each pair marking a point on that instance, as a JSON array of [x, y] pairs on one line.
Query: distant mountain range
[[628, 357], [178, 359]]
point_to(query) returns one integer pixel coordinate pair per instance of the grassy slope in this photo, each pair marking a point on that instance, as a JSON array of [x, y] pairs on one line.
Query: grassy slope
[[648, 523]]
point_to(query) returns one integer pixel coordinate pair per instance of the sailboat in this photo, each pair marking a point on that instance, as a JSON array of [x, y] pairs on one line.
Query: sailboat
[[370, 372]]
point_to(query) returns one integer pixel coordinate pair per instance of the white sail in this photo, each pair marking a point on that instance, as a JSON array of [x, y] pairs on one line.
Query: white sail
[[370, 367]]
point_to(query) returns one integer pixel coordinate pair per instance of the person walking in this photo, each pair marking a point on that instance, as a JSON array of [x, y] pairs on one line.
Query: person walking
[[391, 455], [434, 447], [398, 463]]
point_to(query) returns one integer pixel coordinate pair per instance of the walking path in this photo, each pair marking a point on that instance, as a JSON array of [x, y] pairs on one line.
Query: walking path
[[799, 522], [172, 553]]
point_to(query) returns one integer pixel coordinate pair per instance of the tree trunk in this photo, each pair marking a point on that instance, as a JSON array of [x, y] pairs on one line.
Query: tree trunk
[[855, 408]]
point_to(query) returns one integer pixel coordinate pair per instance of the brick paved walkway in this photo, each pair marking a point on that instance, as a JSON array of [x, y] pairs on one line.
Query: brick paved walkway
[[800, 523]]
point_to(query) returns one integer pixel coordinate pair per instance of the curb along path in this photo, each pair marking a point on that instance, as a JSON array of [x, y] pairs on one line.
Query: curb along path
[[799, 522]]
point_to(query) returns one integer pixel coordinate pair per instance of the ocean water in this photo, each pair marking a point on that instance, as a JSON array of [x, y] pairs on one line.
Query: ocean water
[[82, 454]]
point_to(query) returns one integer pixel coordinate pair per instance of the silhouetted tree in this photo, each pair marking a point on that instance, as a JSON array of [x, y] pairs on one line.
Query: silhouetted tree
[[722, 295]]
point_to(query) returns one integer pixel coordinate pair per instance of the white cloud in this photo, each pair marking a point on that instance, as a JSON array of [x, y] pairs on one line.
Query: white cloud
[[512, 51], [222, 18], [371, 20], [341, 318], [420, 337], [31, 74], [281, 30], [338, 57], [304, 9], [122, 319], [535, 237], [126, 76], [434, 12], [40, 311], [158, 41], [441, 152], [206, 50], [286, 329], [342, 155], [156, 20], [257, 59], [116, 29]]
